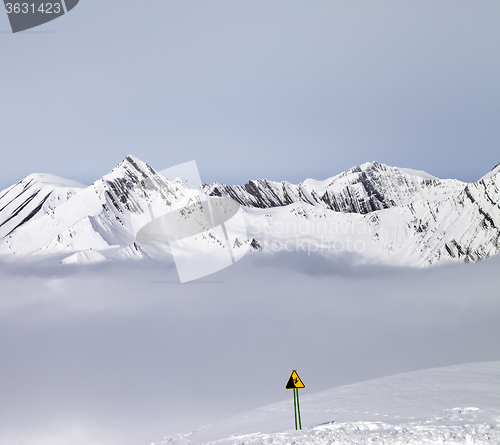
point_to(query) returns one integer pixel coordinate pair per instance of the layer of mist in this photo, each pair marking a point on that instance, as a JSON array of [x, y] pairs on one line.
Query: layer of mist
[[124, 353]]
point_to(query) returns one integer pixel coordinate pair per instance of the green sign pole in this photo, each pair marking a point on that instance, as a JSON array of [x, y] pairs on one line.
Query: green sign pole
[[295, 406], [298, 411]]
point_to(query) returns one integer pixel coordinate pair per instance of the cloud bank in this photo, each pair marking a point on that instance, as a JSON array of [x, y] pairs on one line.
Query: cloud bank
[[126, 354]]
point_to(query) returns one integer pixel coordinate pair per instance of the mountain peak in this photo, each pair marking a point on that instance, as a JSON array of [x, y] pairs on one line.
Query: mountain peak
[[374, 166], [435, 218], [133, 163]]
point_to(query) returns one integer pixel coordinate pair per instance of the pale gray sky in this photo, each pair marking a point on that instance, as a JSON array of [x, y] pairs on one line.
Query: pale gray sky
[[249, 89]]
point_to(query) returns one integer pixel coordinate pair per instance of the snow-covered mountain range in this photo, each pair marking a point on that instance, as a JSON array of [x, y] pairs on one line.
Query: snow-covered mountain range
[[378, 213]]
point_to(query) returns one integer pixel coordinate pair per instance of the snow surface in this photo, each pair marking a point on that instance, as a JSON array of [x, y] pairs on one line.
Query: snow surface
[[84, 257], [36, 195], [491, 173], [451, 405], [417, 173], [48, 178]]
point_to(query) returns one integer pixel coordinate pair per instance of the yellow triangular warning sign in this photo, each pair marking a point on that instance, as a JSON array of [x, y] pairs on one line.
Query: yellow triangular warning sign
[[294, 381]]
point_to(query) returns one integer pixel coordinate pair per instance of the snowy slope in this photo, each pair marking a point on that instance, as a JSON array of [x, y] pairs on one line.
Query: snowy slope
[[378, 213], [104, 216], [493, 172], [455, 404], [463, 227], [31, 198]]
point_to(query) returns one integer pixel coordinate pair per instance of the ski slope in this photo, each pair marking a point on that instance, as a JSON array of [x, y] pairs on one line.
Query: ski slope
[[451, 405]]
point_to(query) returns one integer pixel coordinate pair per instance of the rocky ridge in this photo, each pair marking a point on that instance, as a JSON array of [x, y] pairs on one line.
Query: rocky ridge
[[408, 217]]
